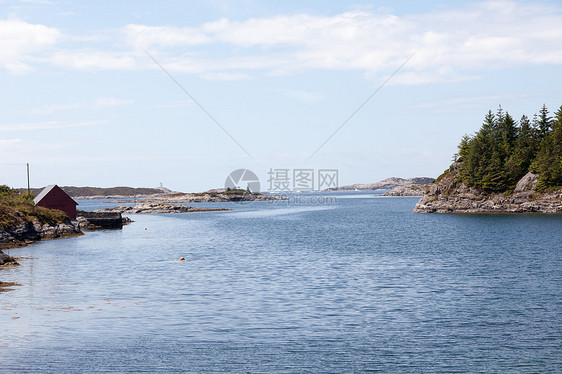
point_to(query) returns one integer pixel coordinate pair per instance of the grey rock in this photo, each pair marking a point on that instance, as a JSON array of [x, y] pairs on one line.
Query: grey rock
[[450, 196], [27, 232], [527, 183], [154, 208], [7, 260], [415, 190]]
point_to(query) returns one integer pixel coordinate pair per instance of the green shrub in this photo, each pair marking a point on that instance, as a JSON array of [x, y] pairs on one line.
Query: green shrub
[[16, 208]]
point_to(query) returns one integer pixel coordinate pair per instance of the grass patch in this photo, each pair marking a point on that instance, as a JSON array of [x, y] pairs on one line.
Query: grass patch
[[16, 208]]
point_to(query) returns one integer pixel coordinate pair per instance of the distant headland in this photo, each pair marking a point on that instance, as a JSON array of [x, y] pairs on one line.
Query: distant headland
[[385, 184]]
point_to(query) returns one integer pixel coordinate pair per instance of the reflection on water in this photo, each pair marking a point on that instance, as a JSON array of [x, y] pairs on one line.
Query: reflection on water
[[361, 285]]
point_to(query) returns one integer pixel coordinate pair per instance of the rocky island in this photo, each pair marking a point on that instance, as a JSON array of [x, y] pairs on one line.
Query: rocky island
[[449, 196], [503, 168], [211, 196], [155, 208]]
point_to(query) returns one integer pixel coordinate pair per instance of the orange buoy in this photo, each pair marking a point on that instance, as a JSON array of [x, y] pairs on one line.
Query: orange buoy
[[182, 258]]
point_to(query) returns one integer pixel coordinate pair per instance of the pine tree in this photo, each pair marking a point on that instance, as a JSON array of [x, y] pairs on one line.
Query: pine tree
[[523, 152], [548, 163], [544, 122], [479, 154], [501, 152], [500, 115]]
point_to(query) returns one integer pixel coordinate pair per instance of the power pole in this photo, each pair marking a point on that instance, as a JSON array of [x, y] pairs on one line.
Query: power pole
[[28, 189]]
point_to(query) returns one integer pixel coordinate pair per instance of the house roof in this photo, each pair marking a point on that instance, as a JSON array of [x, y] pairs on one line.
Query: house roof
[[46, 191]]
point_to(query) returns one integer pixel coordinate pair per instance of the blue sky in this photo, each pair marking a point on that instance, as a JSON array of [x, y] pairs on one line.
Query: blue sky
[[84, 104]]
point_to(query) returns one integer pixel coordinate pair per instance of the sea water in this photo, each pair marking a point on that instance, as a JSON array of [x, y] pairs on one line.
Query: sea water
[[354, 283]]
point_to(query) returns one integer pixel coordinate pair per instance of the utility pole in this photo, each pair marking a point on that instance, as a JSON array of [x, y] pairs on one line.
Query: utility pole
[[28, 189]]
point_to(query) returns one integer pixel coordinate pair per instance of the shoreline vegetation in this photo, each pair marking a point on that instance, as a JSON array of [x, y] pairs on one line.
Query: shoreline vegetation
[[506, 167], [22, 222]]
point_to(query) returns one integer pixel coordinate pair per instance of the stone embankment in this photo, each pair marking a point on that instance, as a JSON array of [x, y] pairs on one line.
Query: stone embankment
[[101, 220]]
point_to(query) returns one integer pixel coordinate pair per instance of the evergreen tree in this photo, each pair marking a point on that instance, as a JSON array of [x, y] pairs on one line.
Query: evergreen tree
[[494, 179], [524, 151], [548, 163], [478, 153], [500, 115], [501, 152], [544, 122]]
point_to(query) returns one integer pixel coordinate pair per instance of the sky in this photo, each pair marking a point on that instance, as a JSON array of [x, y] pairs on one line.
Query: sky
[[138, 93]]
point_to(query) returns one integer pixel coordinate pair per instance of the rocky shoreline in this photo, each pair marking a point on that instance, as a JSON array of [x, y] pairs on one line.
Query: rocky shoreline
[[448, 196], [29, 232], [26, 233]]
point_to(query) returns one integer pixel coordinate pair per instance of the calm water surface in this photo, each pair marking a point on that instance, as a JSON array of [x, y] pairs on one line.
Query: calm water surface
[[363, 285]]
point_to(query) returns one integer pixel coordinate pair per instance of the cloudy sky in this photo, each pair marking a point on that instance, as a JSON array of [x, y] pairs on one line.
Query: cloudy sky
[[107, 93]]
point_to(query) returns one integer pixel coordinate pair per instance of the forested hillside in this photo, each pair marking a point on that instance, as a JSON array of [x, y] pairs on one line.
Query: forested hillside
[[504, 150]]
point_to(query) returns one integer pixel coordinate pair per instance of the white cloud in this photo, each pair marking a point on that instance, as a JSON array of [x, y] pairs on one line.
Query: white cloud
[[453, 44], [450, 43], [304, 96], [108, 102], [94, 104], [147, 36], [20, 41], [93, 60], [464, 103], [225, 76], [32, 126], [9, 142], [175, 104], [42, 2]]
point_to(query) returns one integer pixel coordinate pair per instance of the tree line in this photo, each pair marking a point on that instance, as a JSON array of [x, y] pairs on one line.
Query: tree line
[[496, 157]]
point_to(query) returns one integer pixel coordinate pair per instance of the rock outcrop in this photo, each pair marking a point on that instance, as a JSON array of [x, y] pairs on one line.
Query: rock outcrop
[[385, 184], [7, 260], [212, 196], [27, 232], [446, 195], [155, 208], [415, 190]]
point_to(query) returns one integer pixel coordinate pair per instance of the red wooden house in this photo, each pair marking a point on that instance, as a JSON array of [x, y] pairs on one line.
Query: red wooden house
[[53, 197]]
